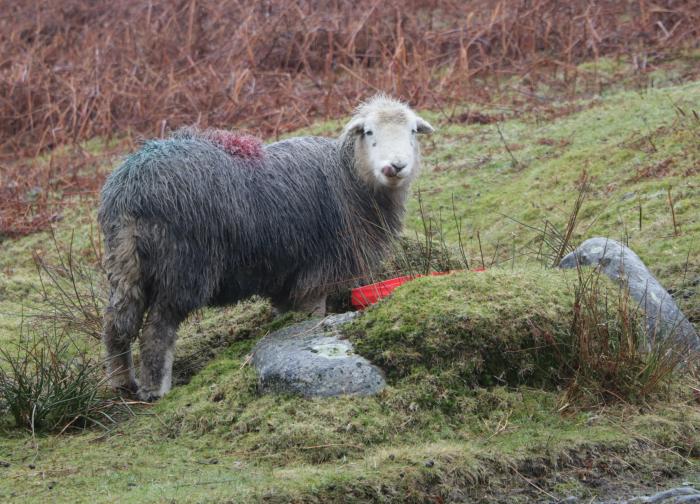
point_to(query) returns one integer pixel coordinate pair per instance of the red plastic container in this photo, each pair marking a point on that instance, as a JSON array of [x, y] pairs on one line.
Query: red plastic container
[[362, 297]]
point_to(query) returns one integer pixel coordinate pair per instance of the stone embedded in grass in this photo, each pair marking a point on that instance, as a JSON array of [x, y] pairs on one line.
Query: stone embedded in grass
[[622, 265], [676, 495], [310, 359]]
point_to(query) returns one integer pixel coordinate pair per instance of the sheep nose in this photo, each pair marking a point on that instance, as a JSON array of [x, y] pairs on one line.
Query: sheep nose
[[389, 171], [398, 166]]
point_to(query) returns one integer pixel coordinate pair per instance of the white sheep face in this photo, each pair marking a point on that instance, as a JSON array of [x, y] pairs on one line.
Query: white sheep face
[[387, 152]]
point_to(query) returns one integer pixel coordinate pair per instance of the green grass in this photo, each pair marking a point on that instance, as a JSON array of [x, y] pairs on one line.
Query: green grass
[[471, 328], [608, 141], [612, 141], [468, 409], [215, 438]]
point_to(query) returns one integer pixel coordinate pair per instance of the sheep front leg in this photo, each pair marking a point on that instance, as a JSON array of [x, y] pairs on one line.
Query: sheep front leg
[[157, 354], [316, 306]]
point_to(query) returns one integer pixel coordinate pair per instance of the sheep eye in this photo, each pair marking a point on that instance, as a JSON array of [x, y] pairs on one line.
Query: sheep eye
[[413, 132], [369, 133]]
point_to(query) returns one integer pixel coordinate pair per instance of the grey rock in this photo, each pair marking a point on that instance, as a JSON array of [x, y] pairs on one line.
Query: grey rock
[[621, 264], [310, 359], [680, 494], [339, 319]]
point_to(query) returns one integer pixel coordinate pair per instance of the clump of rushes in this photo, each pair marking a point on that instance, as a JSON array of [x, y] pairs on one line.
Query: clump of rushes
[[612, 357], [49, 383]]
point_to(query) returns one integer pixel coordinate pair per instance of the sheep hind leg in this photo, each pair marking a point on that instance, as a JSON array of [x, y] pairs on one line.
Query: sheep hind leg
[[122, 321], [157, 353]]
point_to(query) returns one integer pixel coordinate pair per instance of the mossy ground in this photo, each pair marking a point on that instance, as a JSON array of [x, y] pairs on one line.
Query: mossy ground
[[217, 439], [456, 422]]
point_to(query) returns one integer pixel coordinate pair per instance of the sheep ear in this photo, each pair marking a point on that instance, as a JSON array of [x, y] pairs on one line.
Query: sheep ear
[[356, 126], [423, 126]]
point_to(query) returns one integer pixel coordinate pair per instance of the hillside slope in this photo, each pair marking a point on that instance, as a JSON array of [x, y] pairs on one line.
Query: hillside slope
[[429, 435]]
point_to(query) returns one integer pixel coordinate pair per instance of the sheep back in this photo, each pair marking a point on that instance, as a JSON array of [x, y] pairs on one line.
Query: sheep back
[[214, 228]]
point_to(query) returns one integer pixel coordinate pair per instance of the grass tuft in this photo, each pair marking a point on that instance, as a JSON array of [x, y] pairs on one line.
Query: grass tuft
[[613, 358], [49, 383]]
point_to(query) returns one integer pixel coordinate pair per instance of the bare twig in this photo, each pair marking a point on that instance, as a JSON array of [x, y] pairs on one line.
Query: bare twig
[[676, 227]]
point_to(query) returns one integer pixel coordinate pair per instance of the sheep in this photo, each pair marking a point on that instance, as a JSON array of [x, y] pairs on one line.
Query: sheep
[[211, 217]]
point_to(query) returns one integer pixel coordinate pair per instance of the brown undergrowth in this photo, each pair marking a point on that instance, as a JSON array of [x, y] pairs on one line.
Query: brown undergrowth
[[76, 70]]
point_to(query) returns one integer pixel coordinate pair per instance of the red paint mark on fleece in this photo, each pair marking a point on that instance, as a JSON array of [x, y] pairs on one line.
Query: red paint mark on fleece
[[236, 144]]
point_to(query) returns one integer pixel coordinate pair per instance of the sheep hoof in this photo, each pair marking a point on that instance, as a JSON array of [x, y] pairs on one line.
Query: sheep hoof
[[123, 383], [316, 307], [148, 396], [129, 389]]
